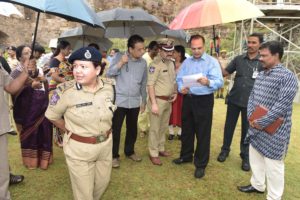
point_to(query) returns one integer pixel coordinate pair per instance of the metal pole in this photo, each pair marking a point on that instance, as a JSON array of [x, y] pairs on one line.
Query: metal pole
[[241, 37]]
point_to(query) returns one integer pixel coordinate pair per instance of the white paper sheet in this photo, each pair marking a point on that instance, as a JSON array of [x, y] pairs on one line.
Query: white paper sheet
[[191, 80]]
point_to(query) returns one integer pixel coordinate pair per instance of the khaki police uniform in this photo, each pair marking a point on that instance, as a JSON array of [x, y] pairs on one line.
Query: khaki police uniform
[[86, 115], [4, 127], [161, 75]]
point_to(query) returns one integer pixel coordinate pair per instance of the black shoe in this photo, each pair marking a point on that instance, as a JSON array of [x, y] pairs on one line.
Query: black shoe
[[222, 156], [12, 133], [179, 137], [171, 137], [199, 173], [179, 161], [248, 189], [245, 165], [15, 179]]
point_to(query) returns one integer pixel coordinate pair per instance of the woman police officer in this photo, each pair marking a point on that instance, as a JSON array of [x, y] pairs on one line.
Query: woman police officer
[[84, 108]]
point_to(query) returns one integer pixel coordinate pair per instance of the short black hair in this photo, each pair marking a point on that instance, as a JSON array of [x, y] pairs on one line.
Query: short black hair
[[133, 40], [62, 44], [274, 47], [96, 46], [152, 44], [260, 37], [196, 37], [39, 48]]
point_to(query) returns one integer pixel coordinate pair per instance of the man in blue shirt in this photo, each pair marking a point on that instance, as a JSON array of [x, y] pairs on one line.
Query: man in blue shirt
[[198, 102]]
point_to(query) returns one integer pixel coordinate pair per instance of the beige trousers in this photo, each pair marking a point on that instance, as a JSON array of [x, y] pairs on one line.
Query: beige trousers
[[4, 169], [89, 167], [264, 168], [158, 127], [143, 120]]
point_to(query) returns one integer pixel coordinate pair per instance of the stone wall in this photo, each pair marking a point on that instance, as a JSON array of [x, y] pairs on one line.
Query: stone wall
[[17, 31]]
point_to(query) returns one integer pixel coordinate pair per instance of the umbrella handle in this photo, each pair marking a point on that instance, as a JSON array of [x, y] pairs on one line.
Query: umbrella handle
[[35, 32]]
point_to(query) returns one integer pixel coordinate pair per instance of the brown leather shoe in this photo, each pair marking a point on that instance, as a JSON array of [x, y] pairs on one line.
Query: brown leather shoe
[[164, 154], [135, 158], [155, 161]]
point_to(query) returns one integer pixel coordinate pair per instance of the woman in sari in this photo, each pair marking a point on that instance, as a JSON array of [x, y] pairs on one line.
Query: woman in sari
[[29, 110], [60, 71], [175, 117]]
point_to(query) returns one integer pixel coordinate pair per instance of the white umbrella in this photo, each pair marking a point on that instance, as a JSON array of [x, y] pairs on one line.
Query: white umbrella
[[122, 23], [84, 35], [8, 9]]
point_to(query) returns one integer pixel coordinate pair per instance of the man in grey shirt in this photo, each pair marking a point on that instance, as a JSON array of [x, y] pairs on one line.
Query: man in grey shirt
[[246, 67], [130, 72], [12, 87]]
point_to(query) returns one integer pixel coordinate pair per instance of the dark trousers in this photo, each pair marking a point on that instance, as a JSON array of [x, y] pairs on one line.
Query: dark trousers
[[131, 115], [197, 113], [233, 112]]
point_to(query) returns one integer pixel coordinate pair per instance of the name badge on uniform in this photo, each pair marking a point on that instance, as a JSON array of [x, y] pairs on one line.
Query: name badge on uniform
[[84, 104], [255, 74]]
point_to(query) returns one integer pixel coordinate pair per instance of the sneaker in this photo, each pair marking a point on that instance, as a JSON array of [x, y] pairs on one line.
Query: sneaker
[[116, 163], [15, 179], [171, 137], [135, 158]]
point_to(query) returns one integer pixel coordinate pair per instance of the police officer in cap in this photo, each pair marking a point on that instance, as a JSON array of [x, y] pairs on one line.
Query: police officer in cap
[[84, 109], [162, 91]]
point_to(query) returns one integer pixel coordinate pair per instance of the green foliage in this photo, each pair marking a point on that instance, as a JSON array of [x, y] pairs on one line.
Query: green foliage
[[145, 181]]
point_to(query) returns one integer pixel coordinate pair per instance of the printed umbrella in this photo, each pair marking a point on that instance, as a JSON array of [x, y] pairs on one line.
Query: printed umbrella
[[8, 9], [84, 35], [73, 10], [122, 23], [212, 12]]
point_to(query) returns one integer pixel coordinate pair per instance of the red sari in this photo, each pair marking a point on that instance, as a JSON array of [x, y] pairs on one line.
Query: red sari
[[175, 117]]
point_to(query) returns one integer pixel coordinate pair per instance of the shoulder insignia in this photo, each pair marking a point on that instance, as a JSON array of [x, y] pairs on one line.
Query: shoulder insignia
[[108, 80], [66, 85], [151, 69], [54, 98]]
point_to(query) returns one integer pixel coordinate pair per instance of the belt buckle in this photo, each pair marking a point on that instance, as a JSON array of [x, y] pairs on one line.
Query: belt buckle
[[100, 138]]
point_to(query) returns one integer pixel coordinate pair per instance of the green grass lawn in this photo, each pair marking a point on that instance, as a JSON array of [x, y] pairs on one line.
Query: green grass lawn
[[146, 181]]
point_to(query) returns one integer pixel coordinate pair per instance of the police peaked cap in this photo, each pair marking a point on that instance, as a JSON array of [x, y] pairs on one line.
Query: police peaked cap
[[86, 54]]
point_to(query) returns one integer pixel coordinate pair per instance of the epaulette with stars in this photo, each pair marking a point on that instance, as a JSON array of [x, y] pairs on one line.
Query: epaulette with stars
[[108, 80], [67, 85]]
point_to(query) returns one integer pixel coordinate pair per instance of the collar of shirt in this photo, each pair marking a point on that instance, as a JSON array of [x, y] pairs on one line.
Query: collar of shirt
[[132, 59], [203, 57], [267, 72], [245, 56], [99, 86]]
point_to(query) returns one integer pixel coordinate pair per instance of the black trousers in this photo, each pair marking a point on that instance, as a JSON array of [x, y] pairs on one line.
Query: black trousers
[[131, 115], [197, 113], [232, 115]]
